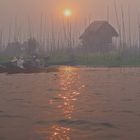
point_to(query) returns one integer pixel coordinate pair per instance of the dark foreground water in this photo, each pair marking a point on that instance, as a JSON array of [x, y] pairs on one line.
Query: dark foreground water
[[72, 104]]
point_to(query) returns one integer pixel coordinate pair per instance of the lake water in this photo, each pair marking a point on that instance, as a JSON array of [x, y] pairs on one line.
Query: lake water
[[71, 104]]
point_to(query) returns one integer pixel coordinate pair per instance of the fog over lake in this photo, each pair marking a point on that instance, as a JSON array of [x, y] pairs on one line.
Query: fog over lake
[[69, 70]]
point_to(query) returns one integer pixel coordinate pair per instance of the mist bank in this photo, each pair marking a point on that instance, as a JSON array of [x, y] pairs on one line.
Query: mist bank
[[20, 17], [58, 37]]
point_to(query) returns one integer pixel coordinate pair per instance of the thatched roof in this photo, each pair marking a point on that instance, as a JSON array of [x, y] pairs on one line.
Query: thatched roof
[[97, 26]]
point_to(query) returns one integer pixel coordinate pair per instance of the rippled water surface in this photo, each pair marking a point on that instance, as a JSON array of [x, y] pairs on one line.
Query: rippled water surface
[[71, 104]]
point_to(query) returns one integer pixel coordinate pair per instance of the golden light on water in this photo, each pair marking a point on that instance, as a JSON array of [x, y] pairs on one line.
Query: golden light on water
[[67, 12], [64, 103], [59, 133], [68, 69], [70, 86]]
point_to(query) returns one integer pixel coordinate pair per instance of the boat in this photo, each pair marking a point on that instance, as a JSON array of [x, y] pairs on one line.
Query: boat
[[9, 68], [13, 69], [2, 69]]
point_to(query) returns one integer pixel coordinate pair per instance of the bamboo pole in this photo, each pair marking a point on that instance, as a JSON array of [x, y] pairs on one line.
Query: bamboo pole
[[15, 30], [29, 33], [108, 14], [139, 33], [139, 30], [130, 36], [1, 40], [123, 28], [118, 23]]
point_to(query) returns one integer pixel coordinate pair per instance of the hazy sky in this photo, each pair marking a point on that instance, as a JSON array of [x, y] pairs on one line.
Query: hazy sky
[[96, 9]]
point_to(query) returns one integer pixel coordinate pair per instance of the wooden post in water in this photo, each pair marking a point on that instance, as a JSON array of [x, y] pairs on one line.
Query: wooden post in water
[[139, 33], [130, 36], [1, 40], [119, 26], [123, 29]]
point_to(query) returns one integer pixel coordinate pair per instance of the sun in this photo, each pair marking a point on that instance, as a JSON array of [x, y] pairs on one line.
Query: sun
[[67, 12]]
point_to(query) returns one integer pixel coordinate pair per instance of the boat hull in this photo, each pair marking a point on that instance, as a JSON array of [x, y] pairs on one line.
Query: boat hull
[[13, 69]]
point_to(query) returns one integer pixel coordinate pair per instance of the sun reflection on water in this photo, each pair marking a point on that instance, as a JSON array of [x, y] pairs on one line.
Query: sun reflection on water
[[70, 87], [59, 133], [69, 84], [54, 132]]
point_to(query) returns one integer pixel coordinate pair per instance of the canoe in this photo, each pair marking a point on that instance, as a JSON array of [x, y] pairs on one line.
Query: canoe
[[2, 69], [13, 69]]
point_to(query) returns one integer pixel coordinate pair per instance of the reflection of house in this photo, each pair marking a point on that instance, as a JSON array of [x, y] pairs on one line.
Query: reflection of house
[[98, 36]]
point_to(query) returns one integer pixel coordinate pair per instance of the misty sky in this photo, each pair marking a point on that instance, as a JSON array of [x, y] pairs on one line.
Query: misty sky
[[32, 7], [95, 9]]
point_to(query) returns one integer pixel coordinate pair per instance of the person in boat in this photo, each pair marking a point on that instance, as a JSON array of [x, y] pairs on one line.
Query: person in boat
[[36, 61], [20, 63], [14, 61]]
